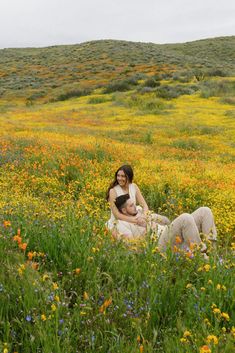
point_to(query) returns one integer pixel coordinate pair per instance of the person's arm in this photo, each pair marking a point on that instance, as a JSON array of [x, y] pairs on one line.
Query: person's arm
[[140, 200], [116, 213]]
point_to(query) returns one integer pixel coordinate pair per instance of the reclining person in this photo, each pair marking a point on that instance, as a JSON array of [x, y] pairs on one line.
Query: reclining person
[[182, 232]]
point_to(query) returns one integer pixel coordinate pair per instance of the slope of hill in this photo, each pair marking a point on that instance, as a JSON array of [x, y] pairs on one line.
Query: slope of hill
[[48, 72]]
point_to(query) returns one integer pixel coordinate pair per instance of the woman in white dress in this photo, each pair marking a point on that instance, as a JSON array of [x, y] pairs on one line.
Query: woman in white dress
[[123, 184]]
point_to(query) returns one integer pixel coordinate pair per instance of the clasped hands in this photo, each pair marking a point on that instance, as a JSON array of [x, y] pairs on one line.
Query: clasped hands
[[140, 220]]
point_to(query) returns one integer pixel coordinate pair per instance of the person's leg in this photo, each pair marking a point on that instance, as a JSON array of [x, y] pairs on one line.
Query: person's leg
[[164, 239], [186, 231], [129, 230], [204, 220], [162, 220]]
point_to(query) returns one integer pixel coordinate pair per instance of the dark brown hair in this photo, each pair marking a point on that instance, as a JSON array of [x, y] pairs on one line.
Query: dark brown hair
[[128, 171], [121, 200]]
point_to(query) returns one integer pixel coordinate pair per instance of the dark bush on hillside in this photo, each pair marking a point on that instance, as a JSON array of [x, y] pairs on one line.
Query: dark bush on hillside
[[217, 88], [217, 72], [151, 82], [140, 76], [37, 95], [120, 86], [72, 94], [199, 74], [166, 75], [133, 80], [144, 90], [170, 92], [151, 104], [183, 76]]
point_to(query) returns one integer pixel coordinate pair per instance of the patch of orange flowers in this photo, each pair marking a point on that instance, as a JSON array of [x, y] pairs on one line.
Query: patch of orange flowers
[[105, 305], [17, 238]]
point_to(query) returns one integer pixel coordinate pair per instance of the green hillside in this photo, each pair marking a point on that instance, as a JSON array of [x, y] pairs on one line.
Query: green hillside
[[46, 73]]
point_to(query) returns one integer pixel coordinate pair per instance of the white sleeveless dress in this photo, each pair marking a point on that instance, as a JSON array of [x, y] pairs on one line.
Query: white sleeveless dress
[[119, 191], [130, 230]]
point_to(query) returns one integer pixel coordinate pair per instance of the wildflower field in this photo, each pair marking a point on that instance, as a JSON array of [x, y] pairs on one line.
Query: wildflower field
[[65, 284]]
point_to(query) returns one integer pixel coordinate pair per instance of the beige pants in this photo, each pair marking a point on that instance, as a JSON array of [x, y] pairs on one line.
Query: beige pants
[[129, 230], [132, 231], [185, 229]]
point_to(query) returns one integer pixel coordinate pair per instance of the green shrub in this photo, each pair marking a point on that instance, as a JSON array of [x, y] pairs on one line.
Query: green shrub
[[150, 104], [148, 138], [170, 92], [151, 82], [183, 76], [72, 94], [215, 88], [217, 72], [97, 100], [120, 86], [188, 144]]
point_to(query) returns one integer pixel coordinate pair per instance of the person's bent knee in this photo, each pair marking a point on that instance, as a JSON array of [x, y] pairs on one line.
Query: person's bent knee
[[187, 216], [205, 209]]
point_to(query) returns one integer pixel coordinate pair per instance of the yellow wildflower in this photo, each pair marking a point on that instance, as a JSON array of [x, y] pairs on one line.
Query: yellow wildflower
[[55, 285], [57, 298], [207, 267], [225, 316], [53, 307], [187, 334], [45, 277], [21, 270], [216, 311], [155, 250], [212, 338], [207, 322], [43, 317], [85, 296]]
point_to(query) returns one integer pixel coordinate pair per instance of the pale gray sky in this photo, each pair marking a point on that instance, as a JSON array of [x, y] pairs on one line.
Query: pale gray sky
[[34, 23]]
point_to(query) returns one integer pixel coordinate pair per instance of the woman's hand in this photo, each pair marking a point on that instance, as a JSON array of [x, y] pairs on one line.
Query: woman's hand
[[140, 221]]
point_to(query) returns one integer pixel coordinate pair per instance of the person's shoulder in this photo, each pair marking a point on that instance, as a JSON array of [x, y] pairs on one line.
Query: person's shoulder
[[135, 186], [112, 192]]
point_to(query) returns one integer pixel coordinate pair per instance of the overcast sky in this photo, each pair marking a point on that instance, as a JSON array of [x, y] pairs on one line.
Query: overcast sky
[[37, 23]]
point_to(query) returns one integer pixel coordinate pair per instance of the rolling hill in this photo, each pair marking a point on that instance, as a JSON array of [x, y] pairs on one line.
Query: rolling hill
[[41, 74]]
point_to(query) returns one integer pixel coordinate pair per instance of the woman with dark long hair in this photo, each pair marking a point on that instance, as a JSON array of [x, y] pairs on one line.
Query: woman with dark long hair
[[121, 185]]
